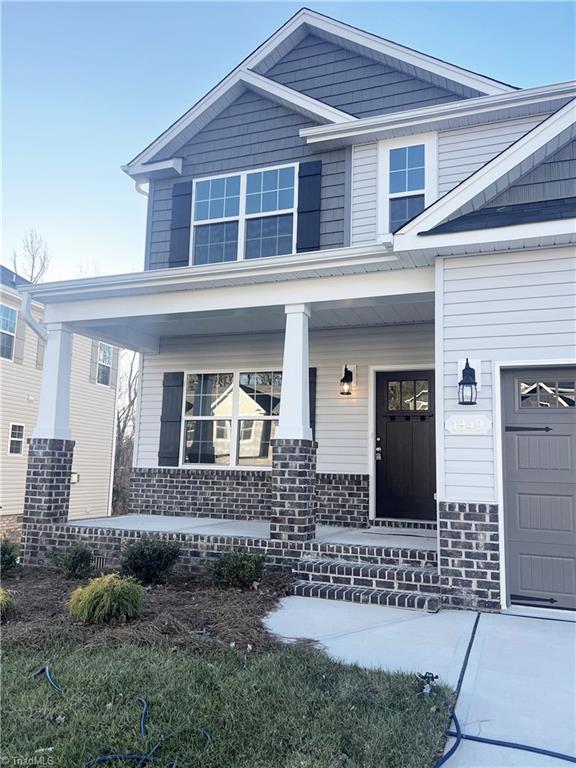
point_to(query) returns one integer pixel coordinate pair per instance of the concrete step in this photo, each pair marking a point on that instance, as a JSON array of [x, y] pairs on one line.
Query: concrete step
[[397, 599], [373, 576]]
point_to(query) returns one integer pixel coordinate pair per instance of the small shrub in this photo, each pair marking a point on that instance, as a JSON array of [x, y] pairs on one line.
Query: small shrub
[[6, 603], [76, 561], [8, 556], [238, 569], [106, 599], [149, 560]]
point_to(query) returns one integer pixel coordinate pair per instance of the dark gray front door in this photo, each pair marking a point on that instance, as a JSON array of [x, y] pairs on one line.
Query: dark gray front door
[[539, 417]]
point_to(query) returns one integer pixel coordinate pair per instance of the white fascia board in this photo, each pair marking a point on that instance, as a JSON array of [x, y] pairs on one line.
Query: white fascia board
[[508, 238], [160, 170], [368, 128], [190, 278], [492, 171]]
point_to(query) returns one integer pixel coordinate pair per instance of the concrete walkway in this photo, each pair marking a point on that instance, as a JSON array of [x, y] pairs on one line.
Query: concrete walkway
[[520, 682]]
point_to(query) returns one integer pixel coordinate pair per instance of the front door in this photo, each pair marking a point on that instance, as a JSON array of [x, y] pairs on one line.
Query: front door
[[539, 417], [405, 445]]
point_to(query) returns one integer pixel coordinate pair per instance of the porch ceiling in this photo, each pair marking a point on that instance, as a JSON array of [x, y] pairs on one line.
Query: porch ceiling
[[352, 313]]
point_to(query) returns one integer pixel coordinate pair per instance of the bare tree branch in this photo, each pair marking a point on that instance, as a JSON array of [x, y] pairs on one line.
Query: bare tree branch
[[125, 424], [34, 260]]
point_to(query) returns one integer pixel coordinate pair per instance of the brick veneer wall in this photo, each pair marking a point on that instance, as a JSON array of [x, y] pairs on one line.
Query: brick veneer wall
[[47, 490], [469, 555], [11, 527], [240, 494], [293, 486]]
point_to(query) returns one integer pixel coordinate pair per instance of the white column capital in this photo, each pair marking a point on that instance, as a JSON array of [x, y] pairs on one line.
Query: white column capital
[[297, 309]]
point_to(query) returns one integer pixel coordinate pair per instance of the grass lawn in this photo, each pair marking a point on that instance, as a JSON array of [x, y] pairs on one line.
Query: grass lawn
[[290, 709]]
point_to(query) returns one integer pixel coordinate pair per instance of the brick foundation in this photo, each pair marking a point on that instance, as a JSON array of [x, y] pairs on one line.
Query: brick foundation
[[469, 555], [47, 490], [342, 499], [11, 527], [293, 484]]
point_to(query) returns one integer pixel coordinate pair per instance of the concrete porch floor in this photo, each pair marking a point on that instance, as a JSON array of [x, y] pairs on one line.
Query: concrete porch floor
[[259, 529]]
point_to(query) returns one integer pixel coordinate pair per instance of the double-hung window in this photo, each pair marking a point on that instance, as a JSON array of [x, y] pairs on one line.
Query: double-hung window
[[230, 418], [16, 440], [409, 179], [8, 318], [104, 367], [247, 215]]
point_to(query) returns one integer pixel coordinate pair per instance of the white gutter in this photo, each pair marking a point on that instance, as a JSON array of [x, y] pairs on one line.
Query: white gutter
[[26, 312], [365, 127]]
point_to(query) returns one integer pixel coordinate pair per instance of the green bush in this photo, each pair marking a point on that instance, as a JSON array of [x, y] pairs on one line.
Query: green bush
[[8, 556], [6, 602], [149, 560], [76, 561], [238, 569], [106, 599]]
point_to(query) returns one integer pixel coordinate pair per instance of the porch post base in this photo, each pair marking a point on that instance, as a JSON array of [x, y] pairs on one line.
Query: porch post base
[[293, 490], [47, 492]]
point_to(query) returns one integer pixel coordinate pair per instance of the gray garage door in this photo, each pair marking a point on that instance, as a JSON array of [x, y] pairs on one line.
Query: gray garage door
[[539, 416]]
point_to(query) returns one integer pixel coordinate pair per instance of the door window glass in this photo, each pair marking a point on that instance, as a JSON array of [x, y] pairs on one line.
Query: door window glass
[[547, 394]]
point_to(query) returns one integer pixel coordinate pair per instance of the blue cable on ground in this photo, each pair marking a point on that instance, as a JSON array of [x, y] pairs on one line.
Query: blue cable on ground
[[143, 716], [514, 745], [48, 677]]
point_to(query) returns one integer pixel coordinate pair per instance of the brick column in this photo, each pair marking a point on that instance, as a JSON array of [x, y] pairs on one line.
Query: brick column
[[469, 555], [47, 494], [293, 489]]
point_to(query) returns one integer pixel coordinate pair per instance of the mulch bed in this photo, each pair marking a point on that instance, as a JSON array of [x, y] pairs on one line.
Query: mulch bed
[[187, 611]]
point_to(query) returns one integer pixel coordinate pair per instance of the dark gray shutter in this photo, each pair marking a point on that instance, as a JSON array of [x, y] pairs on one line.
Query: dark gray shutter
[[180, 224], [19, 339], [309, 186], [312, 395], [171, 419]]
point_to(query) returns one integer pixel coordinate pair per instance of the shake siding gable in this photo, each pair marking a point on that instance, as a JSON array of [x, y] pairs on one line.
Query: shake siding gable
[[253, 132], [351, 82]]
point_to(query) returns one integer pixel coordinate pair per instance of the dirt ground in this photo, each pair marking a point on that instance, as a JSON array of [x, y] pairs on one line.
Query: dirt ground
[[185, 612]]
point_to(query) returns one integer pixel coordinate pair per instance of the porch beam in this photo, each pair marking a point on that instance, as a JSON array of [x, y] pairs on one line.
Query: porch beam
[[294, 421], [53, 420]]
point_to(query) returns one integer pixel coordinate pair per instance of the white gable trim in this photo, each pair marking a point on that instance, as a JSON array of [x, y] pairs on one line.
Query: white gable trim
[[312, 21], [159, 170], [407, 237], [263, 85]]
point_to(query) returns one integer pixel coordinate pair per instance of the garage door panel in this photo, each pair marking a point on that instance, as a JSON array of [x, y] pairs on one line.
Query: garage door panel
[[540, 485]]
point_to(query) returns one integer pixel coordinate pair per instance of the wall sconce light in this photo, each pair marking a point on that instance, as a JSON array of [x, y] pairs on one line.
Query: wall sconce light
[[346, 381], [467, 386]]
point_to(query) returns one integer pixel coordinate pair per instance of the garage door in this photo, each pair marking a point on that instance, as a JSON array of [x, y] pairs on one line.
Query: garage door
[[540, 486]]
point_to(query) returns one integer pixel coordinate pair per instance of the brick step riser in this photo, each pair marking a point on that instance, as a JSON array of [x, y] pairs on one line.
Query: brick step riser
[[394, 584], [411, 559], [396, 599]]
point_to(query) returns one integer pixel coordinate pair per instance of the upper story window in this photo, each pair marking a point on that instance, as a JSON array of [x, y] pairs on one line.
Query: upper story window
[[7, 331], [104, 369], [408, 180], [246, 215], [16, 440]]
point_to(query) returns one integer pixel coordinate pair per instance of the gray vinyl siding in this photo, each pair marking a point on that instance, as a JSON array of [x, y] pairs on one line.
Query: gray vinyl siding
[[342, 427], [553, 178], [506, 307], [253, 132], [461, 152], [352, 82]]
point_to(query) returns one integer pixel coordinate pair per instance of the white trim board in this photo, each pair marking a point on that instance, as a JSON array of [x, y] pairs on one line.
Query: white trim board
[[306, 20]]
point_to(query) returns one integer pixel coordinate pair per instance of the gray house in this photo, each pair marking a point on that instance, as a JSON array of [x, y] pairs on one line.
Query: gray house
[[357, 329]]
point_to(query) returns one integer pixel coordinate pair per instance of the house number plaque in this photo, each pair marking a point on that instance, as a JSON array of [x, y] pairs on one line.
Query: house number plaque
[[457, 424]]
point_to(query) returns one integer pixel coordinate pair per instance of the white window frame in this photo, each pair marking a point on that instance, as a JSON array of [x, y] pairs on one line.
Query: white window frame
[[98, 364], [9, 333], [430, 191], [16, 439], [234, 418], [242, 216]]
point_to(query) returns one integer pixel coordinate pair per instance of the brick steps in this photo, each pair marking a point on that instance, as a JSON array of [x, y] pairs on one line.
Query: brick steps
[[364, 553], [365, 595], [387, 577]]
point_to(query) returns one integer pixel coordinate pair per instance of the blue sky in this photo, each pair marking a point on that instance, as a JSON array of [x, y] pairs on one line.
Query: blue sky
[[87, 85]]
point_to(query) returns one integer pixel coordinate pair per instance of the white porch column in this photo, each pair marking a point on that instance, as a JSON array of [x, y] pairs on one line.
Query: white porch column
[[294, 421], [53, 420]]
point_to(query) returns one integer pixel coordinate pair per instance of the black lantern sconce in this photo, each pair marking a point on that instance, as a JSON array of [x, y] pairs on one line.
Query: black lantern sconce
[[467, 386], [346, 382]]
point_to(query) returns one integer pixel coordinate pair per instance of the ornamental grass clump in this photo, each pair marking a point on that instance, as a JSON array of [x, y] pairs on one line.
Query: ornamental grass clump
[[238, 569], [107, 599], [149, 560], [6, 603], [8, 556]]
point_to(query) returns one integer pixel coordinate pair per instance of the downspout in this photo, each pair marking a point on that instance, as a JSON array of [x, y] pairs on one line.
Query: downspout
[[38, 328]]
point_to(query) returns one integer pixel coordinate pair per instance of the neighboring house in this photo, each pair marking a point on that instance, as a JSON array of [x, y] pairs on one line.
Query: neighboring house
[[92, 409], [357, 308]]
